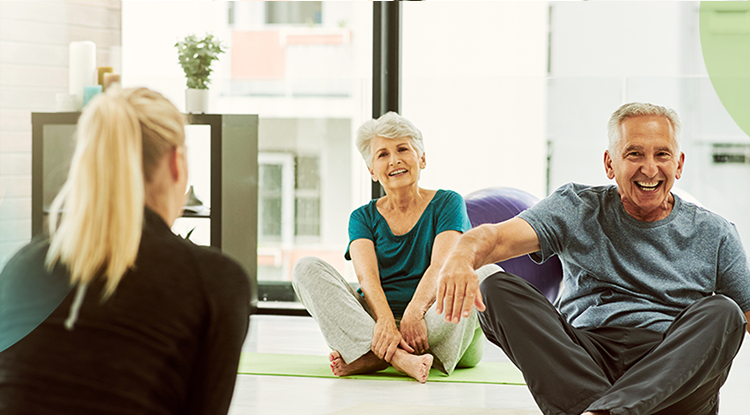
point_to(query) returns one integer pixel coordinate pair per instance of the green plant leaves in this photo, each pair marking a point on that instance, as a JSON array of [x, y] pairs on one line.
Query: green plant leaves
[[195, 56]]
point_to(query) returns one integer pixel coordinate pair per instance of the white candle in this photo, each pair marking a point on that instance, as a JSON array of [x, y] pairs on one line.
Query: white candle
[[81, 69], [65, 103]]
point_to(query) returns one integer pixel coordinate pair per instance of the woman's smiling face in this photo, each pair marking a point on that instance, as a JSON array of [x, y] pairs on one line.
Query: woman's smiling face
[[395, 162]]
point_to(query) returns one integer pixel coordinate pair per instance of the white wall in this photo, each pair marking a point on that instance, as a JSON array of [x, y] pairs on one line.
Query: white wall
[[600, 53], [639, 51], [34, 38], [149, 31], [616, 38], [474, 83]]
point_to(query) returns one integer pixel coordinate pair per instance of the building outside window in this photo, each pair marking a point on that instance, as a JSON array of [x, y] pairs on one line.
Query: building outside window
[[305, 68]]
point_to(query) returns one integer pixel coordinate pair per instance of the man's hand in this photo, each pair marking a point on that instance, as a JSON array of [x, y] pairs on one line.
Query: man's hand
[[458, 290], [386, 339], [458, 284], [414, 331]]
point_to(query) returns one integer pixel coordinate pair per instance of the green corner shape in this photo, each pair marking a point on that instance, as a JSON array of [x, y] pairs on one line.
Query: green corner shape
[[725, 43]]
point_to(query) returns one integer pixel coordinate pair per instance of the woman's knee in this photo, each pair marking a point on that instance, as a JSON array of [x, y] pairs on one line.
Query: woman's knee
[[474, 352], [306, 269], [487, 270]]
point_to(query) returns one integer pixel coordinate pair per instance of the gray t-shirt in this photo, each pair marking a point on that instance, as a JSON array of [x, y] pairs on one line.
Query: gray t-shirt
[[620, 271]]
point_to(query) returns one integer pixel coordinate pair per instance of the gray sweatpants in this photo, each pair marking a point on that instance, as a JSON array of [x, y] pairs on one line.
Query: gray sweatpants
[[347, 322]]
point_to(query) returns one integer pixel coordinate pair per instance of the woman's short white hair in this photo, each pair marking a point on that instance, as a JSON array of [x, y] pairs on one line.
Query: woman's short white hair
[[389, 125], [638, 109]]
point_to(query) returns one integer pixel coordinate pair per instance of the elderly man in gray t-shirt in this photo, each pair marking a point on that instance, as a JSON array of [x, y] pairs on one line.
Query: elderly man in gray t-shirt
[[651, 311]]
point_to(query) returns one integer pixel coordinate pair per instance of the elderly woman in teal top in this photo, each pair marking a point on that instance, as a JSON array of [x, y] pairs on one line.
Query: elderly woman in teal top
[[397, 245]]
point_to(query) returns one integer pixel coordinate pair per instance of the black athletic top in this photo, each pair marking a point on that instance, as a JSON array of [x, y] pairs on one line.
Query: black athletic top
[[167, 342]]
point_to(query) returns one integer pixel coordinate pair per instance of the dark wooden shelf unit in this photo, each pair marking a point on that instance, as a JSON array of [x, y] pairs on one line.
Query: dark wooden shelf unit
[[234, 179]]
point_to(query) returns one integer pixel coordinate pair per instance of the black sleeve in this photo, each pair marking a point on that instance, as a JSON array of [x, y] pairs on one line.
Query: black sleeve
[[227, 293]]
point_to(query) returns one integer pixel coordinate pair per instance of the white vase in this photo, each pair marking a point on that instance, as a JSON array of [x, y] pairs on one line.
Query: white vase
[[196, 101]]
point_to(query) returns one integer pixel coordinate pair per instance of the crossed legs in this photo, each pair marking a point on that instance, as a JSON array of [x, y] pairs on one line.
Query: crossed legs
[[347, 325], [613, 370]]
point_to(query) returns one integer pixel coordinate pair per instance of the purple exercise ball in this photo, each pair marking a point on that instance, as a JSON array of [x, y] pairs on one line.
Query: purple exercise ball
[[498, 204]]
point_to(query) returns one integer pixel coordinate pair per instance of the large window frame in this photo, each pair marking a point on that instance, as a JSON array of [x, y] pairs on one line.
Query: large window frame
[[386, 96]]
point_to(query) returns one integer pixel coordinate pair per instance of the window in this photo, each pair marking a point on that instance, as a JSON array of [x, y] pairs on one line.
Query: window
[[495, 62], [270, 200], [306, 69], [294, 12], [307, 197], [289, 198]]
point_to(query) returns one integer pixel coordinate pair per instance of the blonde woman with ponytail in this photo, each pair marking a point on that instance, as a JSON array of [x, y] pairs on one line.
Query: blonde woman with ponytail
[[113, 313]]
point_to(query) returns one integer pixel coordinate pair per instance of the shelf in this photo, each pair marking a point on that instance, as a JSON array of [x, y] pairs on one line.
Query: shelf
[[204, 214], [284, 308], [185, 214], [233, 162]]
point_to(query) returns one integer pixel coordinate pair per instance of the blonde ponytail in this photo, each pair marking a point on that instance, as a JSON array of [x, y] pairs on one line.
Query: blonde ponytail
[[101, 204]]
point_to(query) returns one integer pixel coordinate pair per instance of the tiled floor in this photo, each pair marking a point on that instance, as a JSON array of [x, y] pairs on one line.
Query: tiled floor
[[278, 395]]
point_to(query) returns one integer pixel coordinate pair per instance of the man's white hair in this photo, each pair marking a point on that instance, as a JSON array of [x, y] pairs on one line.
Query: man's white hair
[[639, 109]]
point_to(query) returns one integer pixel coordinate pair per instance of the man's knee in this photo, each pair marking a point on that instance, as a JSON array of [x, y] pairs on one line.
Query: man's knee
[[500, 285], [493, 282], [503, 296], [713, 317], [722, 308]]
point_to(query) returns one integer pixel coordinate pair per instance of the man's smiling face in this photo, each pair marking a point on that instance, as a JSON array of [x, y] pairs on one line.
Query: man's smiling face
[[645, 165]]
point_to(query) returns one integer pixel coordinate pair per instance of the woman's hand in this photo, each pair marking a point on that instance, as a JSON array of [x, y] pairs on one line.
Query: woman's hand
[[386, 339], [414, 331]]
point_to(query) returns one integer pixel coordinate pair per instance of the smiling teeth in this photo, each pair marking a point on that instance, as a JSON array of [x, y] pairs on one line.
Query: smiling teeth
[[645, 185], [393, 173]]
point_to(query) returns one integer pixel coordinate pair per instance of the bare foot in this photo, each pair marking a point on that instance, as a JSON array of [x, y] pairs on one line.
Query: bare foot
[[416, 366], [366, 364]]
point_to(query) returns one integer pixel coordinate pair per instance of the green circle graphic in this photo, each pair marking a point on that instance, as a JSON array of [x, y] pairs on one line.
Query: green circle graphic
[[725, 42]]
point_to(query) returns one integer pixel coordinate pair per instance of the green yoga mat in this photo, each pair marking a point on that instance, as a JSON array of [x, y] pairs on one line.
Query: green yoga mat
[[318, 367]]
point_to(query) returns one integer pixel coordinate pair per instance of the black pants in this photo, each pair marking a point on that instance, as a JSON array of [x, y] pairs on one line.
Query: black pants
[[619, 369]]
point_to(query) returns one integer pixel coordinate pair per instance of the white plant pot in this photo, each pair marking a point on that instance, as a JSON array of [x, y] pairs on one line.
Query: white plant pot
[[196, 101]]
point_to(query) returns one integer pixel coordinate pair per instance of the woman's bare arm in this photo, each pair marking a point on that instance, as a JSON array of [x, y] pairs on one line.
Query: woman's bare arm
[[413, 328], [426, 291], [386, 337]]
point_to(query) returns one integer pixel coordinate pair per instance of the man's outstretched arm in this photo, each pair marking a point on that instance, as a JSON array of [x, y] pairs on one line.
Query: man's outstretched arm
[[458, 287]]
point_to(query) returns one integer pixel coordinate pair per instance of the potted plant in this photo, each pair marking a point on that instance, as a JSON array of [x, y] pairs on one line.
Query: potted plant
[[195, 56]]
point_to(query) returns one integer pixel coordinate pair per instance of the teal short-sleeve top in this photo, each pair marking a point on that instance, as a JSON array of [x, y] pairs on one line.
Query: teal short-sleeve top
[[403, 259]]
